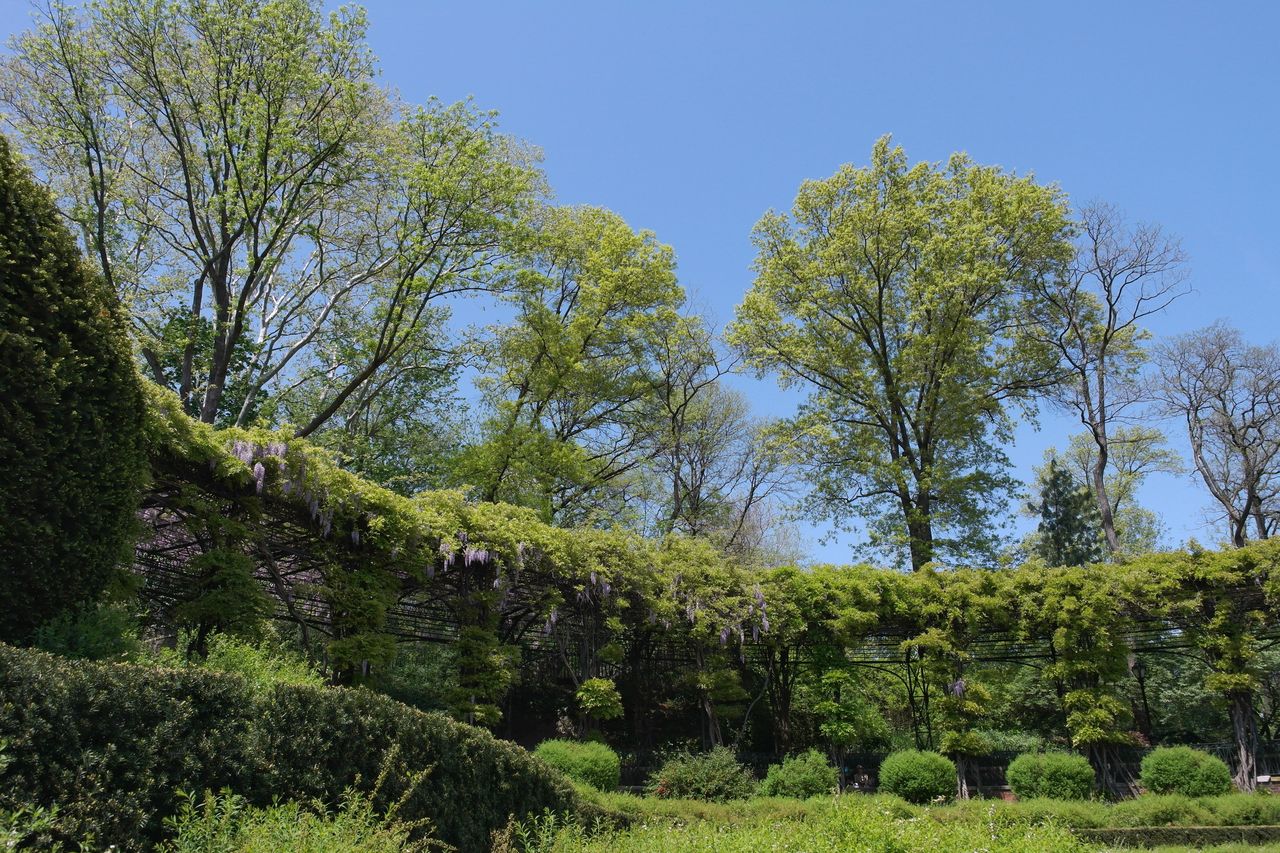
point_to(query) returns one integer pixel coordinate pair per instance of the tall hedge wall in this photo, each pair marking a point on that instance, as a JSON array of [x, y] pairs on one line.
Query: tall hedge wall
[[71, 415], [112, 744]]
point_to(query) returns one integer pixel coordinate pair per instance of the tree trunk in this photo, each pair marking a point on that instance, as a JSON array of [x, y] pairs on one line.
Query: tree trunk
[[1105, 511], [780, 698], [962, 777], [1244, 732], [920, 534], [712, 736]]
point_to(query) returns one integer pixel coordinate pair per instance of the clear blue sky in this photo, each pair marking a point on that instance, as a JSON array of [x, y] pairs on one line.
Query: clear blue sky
[[692, 119]]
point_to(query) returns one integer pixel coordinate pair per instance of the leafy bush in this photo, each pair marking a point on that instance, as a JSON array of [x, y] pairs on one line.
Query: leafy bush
[[71, 426], [227, 824], [1161, 810], [104, 631], [262, 664], [112, 744], [598, 698], [800, 776], [1056, 775], [1183, 770], [918, 776], [591, 763], [715, 776]]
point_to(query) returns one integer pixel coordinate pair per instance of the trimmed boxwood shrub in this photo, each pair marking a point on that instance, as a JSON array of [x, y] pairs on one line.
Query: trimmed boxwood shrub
[[715, 776], [1056, 775], [918, 776], [800, 776], [591, 763], [112, 745], [71, 418], [1183, 770]]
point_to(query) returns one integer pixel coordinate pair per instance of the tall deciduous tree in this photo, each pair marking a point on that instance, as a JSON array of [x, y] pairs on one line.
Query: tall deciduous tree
[[1091, 317], [896, 296], [1227, 392], [255, 197], [570, 381], [1134, 453], [717, 475]]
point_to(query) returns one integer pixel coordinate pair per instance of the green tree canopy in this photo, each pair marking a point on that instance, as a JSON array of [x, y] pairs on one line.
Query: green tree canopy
[[896, 296], [570, 382]]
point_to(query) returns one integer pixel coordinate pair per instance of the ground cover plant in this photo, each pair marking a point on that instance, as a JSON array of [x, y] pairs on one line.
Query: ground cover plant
[[847, 823]]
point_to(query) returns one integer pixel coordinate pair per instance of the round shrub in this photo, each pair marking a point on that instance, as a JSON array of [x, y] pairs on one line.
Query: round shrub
[[1056, 775], [71, 454], [1183, 770], [800, 776], [591, 763], [918, 776], [715, 776]]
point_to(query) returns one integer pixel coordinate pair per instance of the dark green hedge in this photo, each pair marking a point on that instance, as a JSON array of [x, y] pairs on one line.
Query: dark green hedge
[[112, 744], [71, 415], [1188, 836]]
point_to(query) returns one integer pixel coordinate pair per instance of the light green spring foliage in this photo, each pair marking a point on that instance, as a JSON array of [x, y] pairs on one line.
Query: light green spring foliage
[[380, 541], [871, 824], [235, 145], [226, 824], [1133, 453], [590, 763], [846, 717], [570, 381], [599, 699], [263, 662], [896, 295]]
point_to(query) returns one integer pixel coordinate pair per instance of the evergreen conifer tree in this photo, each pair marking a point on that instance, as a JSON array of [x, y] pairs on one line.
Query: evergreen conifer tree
[[1069, 533]]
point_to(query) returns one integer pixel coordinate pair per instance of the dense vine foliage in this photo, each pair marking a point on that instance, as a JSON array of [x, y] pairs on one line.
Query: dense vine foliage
[[603, 603]]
